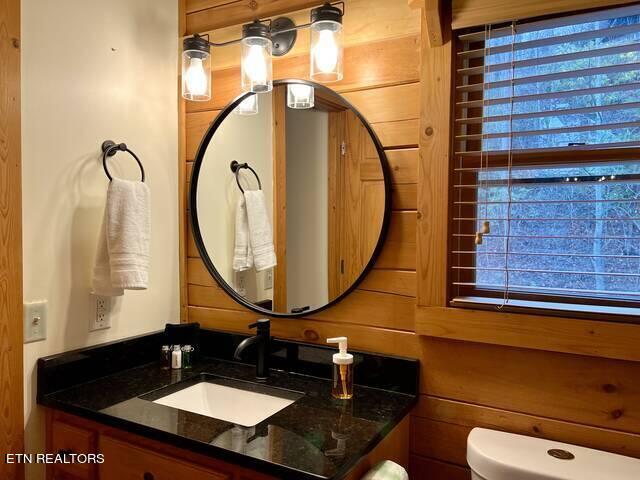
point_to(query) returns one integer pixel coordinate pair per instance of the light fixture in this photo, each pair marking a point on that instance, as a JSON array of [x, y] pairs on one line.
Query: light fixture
[[248, 106], [256, 58], [326, 44], [299, 96], [196, 69], [261, 40]]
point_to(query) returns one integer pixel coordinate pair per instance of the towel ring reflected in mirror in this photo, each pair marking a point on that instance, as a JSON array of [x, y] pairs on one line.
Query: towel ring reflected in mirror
[[209, 199], [110, 148], [236, 167]]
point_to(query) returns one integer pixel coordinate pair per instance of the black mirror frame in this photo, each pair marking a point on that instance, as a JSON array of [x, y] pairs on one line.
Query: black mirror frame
[[193, 204]]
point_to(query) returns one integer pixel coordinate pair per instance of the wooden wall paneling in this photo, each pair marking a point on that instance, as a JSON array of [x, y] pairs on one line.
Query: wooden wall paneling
[[433, 169], [460, 414], [240, 11], [399, 282], [403, 166], [279, 156], [404, 197], [365, 22], [584, 337], [361, 307], [469, 13], [444, 441], [429, 469], [196, 125], [361, 337], [387, 104], [432, 12], [399, 250], [398, 134], [11, 376], [574, 388], [387, 62]]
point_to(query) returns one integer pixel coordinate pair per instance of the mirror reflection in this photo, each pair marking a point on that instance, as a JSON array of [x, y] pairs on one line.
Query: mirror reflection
[[290, 198]]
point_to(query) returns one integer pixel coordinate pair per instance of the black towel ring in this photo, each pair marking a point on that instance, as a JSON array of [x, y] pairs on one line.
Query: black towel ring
[[236, 167], [110, 148]]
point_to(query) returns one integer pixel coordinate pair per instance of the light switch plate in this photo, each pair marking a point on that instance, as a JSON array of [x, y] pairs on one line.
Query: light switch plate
[[35, 321]]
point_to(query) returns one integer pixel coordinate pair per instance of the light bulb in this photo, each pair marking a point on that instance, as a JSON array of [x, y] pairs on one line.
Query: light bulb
[[298, 90], [255, 65], [248, 106], [196, 77], [300, 96], [326, 52]]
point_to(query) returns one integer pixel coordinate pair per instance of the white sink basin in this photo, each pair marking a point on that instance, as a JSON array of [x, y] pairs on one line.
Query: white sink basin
[[245, 407]]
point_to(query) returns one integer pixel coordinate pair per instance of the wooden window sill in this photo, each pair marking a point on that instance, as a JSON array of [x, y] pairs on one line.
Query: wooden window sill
[[540, 332]]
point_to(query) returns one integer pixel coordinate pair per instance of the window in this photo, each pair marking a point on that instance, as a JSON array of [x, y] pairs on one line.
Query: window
[[546, 165]]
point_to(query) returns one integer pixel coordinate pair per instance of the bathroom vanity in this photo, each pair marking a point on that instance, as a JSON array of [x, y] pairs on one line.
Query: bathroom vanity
[[320, 177], [118, 401]]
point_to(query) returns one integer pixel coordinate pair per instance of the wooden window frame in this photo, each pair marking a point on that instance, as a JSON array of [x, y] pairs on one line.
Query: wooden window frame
[[434, 317], [553, 157]]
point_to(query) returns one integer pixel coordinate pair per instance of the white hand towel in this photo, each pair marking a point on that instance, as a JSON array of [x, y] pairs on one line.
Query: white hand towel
[[122, 261], [242, 254], [261, 239]]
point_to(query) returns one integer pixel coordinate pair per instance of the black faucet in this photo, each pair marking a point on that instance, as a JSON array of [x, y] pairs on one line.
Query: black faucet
[[263, 341]]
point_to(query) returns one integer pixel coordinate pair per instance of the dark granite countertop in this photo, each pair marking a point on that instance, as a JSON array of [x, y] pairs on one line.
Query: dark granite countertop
[[316, 437]]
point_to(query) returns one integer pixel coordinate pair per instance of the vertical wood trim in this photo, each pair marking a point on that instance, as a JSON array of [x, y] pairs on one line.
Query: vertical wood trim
[[433, 169], [279, 145], [433, 22], [336, 127], [182, 174], [11, 368]]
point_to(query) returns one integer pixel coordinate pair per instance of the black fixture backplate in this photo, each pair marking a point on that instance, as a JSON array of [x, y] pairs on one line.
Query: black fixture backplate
[[283, 42]]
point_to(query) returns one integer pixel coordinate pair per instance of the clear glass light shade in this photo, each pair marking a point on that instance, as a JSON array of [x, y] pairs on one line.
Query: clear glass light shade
[[299, 96], [256, 65], [196, 75], [248, 106], [326, 51]]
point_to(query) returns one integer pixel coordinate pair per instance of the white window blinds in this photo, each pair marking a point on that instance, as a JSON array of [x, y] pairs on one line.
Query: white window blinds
[[546, 162]]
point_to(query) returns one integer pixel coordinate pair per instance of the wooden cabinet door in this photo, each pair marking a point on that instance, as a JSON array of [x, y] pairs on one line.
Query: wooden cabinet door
[[125, 461], [66, 438]]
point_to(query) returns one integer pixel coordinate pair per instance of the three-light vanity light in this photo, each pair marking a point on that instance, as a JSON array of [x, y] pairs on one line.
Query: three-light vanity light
[[261, 40]]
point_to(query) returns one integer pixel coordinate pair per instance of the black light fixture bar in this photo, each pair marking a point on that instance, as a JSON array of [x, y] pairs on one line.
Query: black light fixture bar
[[323, 12]]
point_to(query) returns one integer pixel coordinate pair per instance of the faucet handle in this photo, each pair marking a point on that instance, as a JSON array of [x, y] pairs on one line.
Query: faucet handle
[[263, 324]]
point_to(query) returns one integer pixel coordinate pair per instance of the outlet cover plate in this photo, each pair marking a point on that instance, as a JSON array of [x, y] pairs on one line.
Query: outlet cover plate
[[100, 315], [35, 321]]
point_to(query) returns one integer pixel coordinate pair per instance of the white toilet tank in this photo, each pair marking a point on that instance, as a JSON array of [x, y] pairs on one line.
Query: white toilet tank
[[496, 455]]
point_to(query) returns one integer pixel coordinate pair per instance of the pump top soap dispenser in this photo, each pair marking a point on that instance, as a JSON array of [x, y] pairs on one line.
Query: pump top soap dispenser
[[342, 370]]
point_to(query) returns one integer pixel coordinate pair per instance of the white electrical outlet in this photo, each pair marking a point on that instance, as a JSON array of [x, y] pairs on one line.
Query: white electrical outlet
[[35, 321], [268, 279], [100, 317]]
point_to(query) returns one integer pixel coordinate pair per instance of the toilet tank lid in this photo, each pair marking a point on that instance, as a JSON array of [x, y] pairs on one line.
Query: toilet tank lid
[[505, 456]]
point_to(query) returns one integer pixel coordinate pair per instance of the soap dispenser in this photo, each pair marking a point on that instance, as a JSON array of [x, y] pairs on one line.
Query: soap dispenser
[[342, 370]]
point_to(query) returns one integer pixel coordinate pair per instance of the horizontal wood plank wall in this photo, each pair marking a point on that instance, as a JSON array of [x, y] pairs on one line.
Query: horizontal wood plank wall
[[589, 397]]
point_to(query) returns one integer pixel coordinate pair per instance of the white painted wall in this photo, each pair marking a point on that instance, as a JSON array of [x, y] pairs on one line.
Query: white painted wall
[[245, 138], [307, 208], [92, 70]]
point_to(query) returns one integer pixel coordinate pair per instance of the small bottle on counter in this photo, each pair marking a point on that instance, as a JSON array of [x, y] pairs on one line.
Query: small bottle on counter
[[166, 357], [342, 370], [176, 357], [187, 356]]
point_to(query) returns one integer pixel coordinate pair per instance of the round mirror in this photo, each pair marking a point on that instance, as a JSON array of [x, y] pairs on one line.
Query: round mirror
[[290, 199]]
